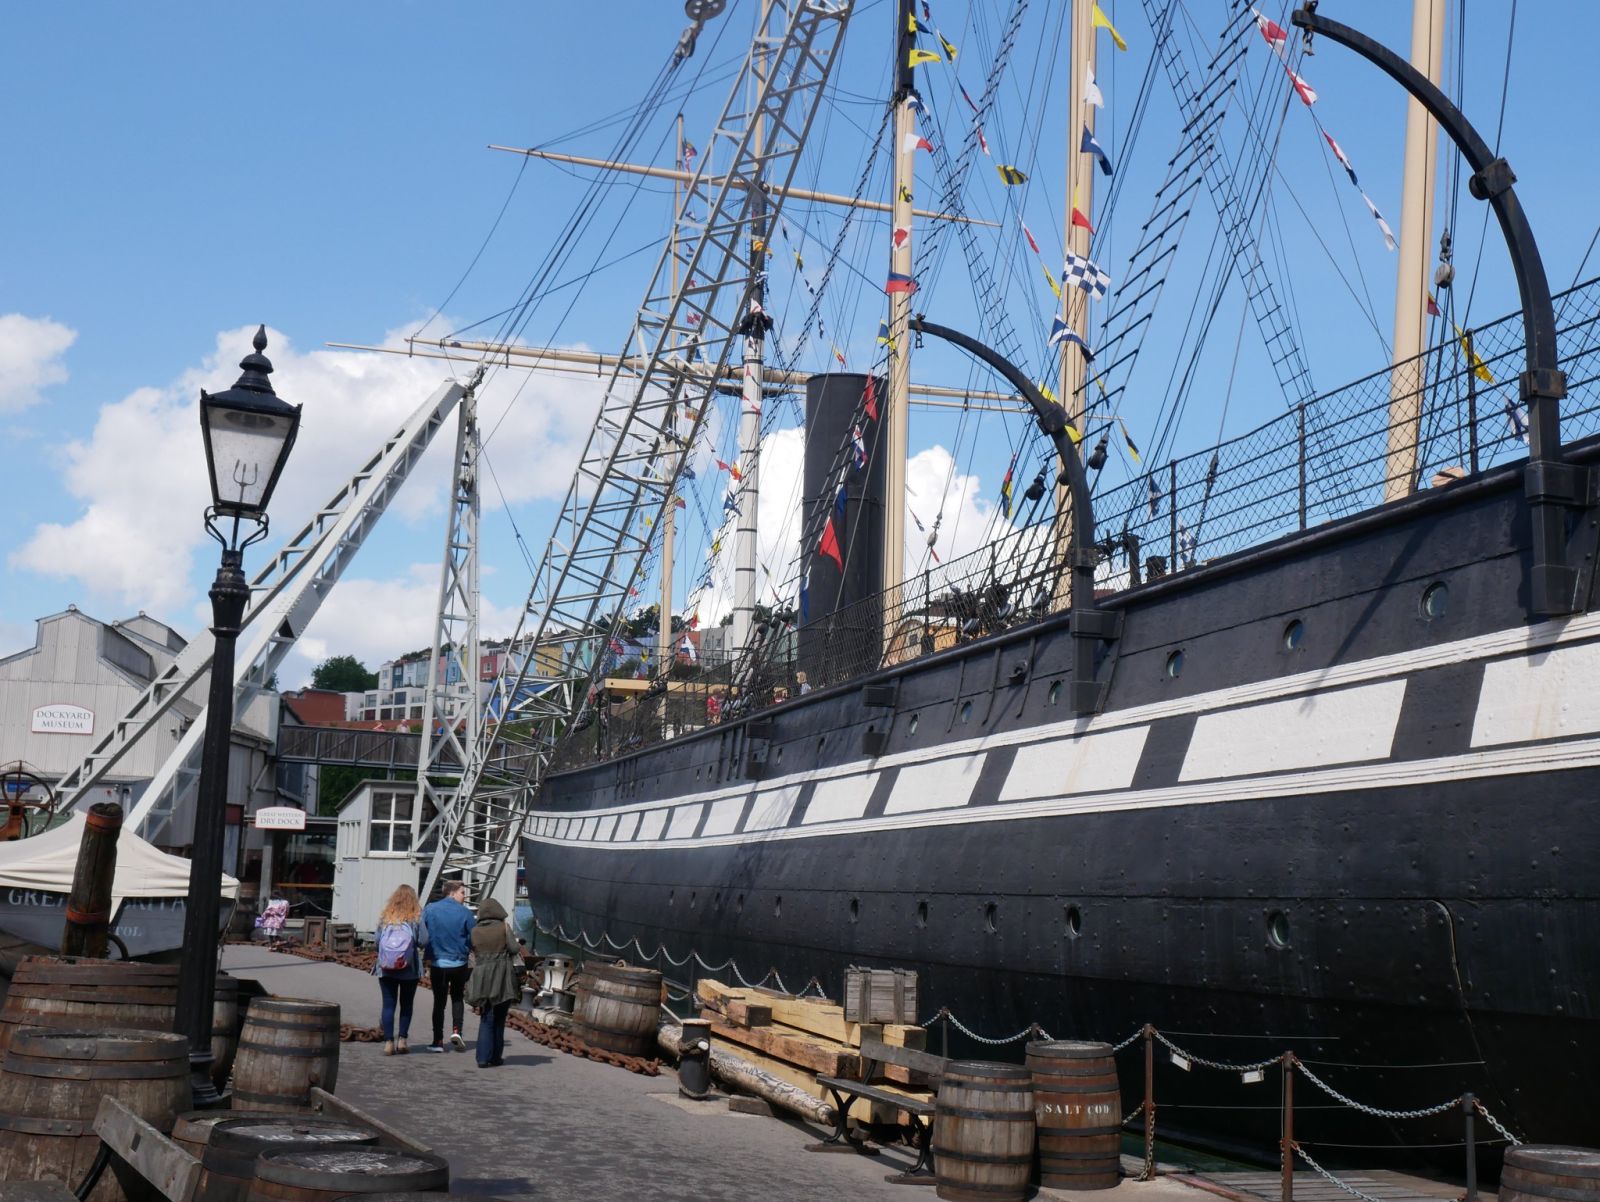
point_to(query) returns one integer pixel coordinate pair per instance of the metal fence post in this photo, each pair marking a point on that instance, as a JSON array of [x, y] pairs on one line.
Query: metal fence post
[[1287, 1189], [944, 1034], [1472, 402], [1172, 514], [1149, 1103], [1469, 1105], [1300, 434]]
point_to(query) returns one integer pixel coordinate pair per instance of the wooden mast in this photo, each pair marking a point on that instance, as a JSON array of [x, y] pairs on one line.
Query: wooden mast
[[669, 518], [1075, 301], [895, 432], [747, 490], [1411, 273]]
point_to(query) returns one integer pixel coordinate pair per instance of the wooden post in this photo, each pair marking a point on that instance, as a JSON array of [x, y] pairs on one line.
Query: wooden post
[[1287, 1191], [89, 903]]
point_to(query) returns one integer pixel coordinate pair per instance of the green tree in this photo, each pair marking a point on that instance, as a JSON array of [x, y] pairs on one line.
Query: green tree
[[343, 674]]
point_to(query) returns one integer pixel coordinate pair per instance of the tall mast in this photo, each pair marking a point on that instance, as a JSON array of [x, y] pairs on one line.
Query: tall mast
[[897, 407], [747, 490], [1416, 224], [669, 518], [1075, 301]]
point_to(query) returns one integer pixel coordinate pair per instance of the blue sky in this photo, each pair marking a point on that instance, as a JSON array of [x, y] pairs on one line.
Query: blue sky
[[176, 175]]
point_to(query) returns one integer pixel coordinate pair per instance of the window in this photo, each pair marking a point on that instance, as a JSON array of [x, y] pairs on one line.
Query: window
[[389, 830]]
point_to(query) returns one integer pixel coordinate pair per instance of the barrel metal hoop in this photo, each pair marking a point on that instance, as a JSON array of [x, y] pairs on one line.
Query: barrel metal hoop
[[92, 1070], [1539, 1190], [34, 1126], [322, 1051], [972, 1112], [982, 1158], [273, 1024]]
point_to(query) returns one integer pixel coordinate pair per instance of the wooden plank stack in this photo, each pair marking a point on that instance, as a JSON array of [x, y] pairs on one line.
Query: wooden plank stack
[[797, 1039]]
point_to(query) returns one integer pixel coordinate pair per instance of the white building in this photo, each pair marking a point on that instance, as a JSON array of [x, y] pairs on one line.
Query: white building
[[59, 697]]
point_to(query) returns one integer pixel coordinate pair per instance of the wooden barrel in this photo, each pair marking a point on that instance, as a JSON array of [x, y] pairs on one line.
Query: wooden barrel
[[51, 1084], [224, 1029], [192, 1131], [619, 1007], [326, 1175], [1077, 1105], [236, 1145], [72, 992], [983, 1132], [287, 1046], [1540, 1172]]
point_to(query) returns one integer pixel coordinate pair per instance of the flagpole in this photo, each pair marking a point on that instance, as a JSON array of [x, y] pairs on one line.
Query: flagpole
[[1416, 224], [669, 521], [747, 490], [896, 418], [1075, 301]]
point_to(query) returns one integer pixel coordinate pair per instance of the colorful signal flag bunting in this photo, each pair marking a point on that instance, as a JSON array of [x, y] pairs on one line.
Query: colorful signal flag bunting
[[1061, 333], [1088, 144], [1098, 20], [899, 282], [918, 56], [1086, 274], [1010, 176]]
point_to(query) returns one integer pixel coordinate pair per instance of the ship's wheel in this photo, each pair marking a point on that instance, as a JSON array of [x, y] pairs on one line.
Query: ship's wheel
[[30, 802]]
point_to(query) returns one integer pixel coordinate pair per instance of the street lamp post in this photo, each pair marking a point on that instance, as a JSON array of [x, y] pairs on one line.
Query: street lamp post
[[248, 434]]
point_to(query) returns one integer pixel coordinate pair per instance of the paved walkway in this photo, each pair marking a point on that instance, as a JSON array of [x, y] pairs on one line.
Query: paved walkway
[[548, 1125]]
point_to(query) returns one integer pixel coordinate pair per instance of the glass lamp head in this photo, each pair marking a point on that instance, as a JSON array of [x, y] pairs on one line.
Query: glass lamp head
[[248, 434]]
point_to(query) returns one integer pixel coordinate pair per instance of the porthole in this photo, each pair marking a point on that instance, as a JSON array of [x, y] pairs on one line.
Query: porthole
[[672, 895], [821, 743], [1292, 634], [991, 918], [1435, 600], [922, 913], [697, 774], [777, 907], [778, 757], [1072, 922], [1278, 928], [692, 897], [738, 904], [966, 711], [912, 726], [1175, 665], [716, 901], [855, 909], [1055, 692]]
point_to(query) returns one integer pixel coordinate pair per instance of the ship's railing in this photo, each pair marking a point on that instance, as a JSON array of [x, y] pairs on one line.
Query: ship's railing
[[1313, 464], [1330, 458]]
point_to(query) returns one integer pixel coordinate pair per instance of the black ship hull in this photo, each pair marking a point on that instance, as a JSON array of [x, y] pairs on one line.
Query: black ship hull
[[1373, 839]]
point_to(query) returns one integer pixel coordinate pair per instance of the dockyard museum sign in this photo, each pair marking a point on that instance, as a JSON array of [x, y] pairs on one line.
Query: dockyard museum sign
[[63, 720], [280, 818]]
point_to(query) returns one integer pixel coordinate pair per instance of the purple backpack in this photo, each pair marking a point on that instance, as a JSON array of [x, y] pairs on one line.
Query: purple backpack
[[395, 942]]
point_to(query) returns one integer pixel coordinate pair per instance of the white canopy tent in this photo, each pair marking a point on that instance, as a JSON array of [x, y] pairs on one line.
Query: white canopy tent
[[46, 863]]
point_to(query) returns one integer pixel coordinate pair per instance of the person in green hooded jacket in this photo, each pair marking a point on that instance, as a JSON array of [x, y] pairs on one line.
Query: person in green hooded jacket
[[494, 983]]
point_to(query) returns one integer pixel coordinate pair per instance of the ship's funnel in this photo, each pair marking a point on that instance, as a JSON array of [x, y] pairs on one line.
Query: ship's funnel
[[841, 628]]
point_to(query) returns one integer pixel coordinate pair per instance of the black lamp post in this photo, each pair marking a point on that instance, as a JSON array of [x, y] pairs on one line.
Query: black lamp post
[[248, 433]]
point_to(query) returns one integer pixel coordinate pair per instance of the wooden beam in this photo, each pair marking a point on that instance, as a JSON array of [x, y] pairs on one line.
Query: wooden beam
[[830, 1060]]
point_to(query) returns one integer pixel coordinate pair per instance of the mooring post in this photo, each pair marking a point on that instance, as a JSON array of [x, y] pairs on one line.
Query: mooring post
[[1469, 1106], [1472, 401], [1287, 1191], [1149, 1103], [944, 1033], [88, 922]]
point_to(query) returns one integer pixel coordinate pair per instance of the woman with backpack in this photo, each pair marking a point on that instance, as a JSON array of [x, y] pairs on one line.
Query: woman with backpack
[[494, 984], [401, 938]]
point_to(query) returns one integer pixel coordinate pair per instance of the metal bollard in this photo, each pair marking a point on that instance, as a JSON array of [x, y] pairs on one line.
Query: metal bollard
[[1149, 1107], [1287, 1188], [1469, 1106], [694, 1059]]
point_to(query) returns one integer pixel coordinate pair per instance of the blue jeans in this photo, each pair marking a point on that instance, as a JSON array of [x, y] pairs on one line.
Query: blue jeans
[[405, 992], [492, 1033]]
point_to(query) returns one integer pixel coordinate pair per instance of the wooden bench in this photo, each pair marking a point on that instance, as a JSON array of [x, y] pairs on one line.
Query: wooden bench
[[325, 1103], [874, 1055], [133, 1145]]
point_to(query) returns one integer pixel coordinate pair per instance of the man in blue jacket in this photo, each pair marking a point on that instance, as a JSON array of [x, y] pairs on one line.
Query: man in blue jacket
[[449, 924]]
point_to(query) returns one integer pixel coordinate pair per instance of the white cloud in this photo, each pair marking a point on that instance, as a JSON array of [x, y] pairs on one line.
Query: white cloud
[[140, 475], [30, 354]]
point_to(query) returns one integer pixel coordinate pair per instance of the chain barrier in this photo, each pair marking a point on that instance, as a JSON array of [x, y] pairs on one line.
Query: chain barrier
[[1034, 1031], [1221, 1065], [1496, 1124], [1376, 1111], [1344, 1185]]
